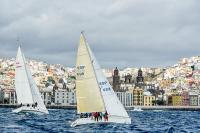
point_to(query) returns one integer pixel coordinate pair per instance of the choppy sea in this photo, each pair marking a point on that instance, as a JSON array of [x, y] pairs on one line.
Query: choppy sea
[[59, 120]]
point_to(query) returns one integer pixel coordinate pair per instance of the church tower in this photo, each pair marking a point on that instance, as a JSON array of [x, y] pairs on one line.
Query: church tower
[[116, 80], [140, 80]]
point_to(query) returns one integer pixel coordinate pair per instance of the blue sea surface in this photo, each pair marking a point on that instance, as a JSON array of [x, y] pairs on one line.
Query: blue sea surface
[[59, 120]]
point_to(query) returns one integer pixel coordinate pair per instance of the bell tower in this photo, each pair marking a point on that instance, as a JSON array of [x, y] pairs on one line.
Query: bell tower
[[116, 80]]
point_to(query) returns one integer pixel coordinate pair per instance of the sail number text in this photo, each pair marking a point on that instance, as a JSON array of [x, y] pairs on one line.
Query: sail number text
[[80, 70], [104, 88]]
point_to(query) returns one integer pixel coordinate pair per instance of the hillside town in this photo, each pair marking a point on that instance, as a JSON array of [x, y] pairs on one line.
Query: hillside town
[[176, 85]]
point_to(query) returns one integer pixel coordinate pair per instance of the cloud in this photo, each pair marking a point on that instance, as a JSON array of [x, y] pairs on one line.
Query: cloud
[[135, 33]]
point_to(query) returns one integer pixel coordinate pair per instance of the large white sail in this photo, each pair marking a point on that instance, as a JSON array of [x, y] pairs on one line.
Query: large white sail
[[26, 89], [87, 89], [23, 90], [112, 104]]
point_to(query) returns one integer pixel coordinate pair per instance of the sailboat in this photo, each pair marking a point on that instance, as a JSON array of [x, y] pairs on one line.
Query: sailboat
[[93, 91], [137, 108], [28, 95]]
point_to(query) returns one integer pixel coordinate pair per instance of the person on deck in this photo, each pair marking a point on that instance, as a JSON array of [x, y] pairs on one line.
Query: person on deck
[[89, 114], [93, 114], [96, 116], [100, 115], [81, 115], [86, 115], [106, 116], [36, 104]]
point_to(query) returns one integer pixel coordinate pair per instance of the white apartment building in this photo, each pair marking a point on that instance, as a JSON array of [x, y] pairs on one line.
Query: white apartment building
[[126, 98], [47, 95], [64, 97]]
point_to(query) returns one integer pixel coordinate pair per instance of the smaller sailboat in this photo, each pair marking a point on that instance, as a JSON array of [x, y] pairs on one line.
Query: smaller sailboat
[[137, 108], [28, 95], [94, 93]]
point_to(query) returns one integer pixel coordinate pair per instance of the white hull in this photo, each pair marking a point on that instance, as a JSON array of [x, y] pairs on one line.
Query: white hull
[[137, 110], [25, 109], [111, 119]]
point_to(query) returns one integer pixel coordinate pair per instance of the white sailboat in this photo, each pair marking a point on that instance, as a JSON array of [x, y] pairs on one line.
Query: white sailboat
[[93, 91], [28, 95], [137, 108]]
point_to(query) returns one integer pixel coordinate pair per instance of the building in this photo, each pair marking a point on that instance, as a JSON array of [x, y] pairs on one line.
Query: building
[[47, 95], [1, 96], [126, 87], [64, 97], [128, 79], [126, 98], [169, 100], [116, 80], [9, 96], [137, 96], [185, 98], [139, 79], [198, 100], [193, 99], [176, 100], [148, 99]]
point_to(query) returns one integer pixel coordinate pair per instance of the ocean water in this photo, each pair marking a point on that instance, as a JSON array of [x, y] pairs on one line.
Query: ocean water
[[59, 120]]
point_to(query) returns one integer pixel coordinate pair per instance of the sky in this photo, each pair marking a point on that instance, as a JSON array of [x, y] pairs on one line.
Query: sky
[[123, 33]]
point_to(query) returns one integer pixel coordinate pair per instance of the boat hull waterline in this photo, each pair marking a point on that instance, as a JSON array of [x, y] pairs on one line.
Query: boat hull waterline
[[32, 110], [112, 119]]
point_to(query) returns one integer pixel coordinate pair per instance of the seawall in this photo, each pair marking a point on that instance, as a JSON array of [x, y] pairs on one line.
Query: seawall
[[178, 108], [48, 106]]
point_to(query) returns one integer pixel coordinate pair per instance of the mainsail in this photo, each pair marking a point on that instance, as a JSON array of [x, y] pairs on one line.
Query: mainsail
[[87, 89], [26, 88], [93, 89]]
